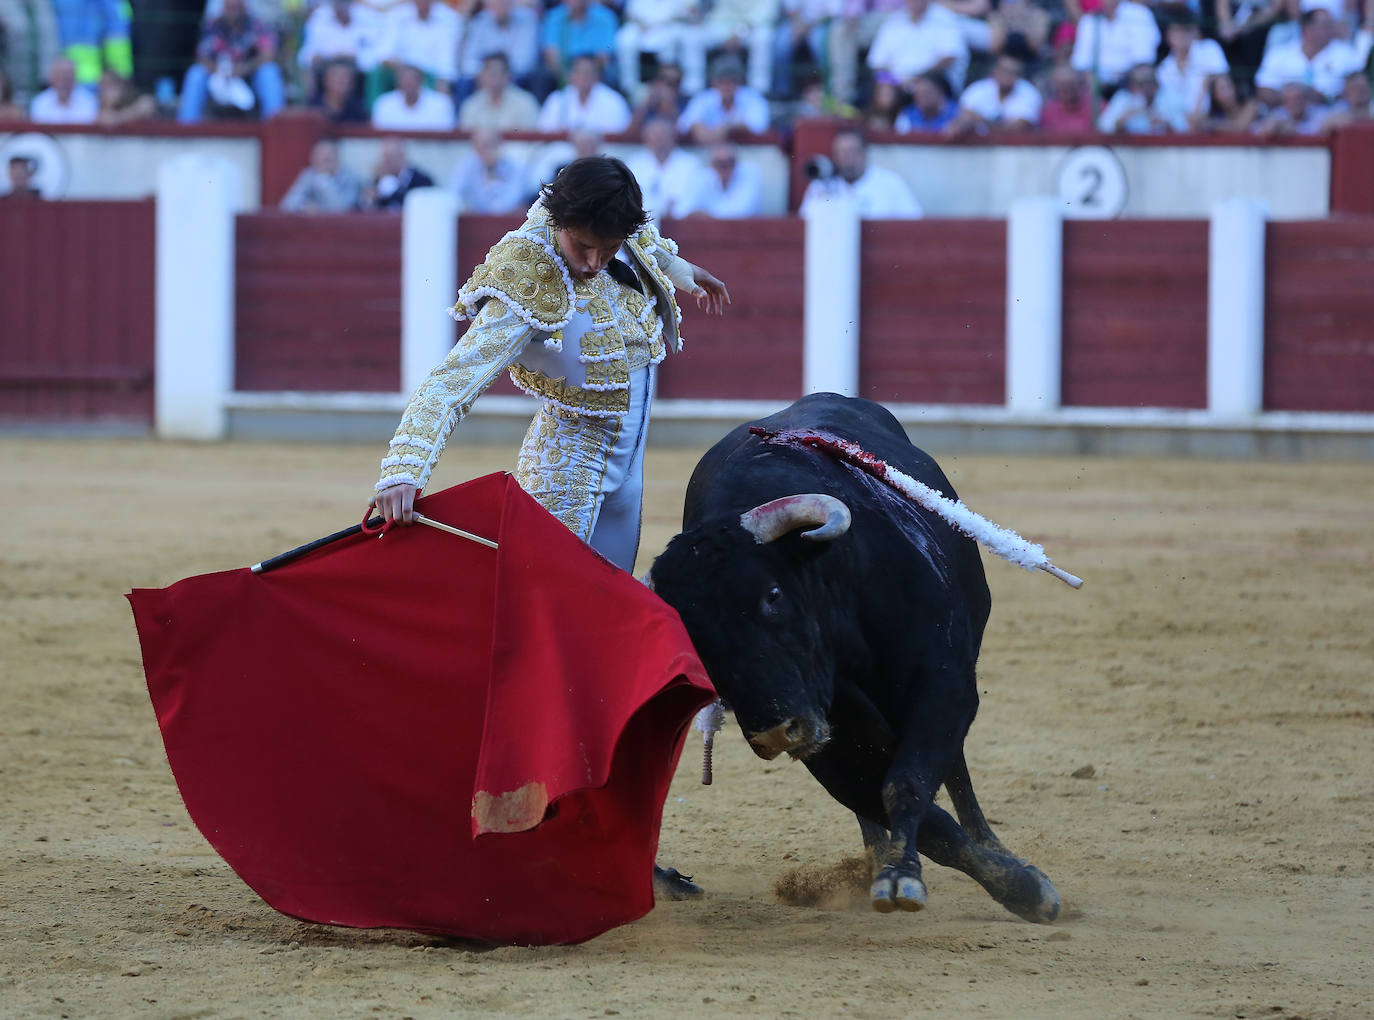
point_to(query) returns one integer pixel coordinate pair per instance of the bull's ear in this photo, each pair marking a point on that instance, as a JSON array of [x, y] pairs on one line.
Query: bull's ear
[[827, 517]]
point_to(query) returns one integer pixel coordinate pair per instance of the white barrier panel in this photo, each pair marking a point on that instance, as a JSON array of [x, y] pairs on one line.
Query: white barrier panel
[[830, 359], [1235, 308], [197, 198], [1035, 303], [429, 274]]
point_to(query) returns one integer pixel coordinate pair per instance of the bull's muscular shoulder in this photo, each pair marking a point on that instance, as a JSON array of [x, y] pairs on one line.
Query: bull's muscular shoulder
[[528, 277]]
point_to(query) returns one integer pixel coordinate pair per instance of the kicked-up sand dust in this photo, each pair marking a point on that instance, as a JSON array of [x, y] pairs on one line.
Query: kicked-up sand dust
[[1186, 747]]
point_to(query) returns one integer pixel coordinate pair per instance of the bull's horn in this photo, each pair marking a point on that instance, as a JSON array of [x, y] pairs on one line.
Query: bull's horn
[[828, 515]]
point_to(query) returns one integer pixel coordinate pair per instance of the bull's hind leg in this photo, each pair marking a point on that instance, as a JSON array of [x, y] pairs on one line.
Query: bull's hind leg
[[1018, 886], [960, 787]]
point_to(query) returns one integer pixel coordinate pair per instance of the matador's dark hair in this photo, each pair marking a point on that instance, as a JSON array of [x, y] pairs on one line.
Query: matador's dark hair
[[597, 194]]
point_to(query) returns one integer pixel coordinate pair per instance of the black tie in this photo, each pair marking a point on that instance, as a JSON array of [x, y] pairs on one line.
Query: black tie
[[622, 273]]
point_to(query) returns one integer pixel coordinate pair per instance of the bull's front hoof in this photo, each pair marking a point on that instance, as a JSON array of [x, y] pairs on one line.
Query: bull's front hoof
[[671, 884], [890, 891], [1036, 898]]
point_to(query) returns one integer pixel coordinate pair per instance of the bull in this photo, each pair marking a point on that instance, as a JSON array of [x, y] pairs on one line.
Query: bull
[[841, 622]]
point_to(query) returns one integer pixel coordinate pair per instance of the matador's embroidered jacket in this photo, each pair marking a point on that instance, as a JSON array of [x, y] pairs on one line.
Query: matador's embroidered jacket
[[593, 335]]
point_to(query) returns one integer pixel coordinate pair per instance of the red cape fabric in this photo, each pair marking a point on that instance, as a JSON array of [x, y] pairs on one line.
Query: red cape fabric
[[421, 732]]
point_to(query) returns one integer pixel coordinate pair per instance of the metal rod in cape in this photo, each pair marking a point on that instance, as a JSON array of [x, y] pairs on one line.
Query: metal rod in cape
[[1006, 544], [366, 527]]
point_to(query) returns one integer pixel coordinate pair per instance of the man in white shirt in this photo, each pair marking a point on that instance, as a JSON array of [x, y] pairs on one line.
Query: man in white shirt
[[738, 26], [922, 37], [424, 34], [1112, 42], [732, 188], [1140, 108], [412, 106], [1004, 101], [63, 101], [340, 30], [486, 180], [498, 104], [879, 193], [1318, 60], [668, 177], [1191, 62], [586, 103], [727, 105], [652, 26]]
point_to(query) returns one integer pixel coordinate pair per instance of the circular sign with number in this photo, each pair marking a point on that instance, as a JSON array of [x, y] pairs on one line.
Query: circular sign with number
[[1092, 184]]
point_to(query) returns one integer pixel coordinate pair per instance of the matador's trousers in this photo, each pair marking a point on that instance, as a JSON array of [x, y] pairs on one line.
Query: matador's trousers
[[589, 472]]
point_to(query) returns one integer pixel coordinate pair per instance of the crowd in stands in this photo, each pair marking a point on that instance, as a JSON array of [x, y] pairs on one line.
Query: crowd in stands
[[698, 72]]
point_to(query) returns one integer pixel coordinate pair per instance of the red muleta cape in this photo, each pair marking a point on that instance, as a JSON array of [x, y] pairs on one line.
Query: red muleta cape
[[421, 732]]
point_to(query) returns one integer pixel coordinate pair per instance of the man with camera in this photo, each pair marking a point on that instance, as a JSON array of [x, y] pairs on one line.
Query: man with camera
[[879, 193]]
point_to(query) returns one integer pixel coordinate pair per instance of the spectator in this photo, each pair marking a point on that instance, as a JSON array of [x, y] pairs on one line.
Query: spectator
[[585, 102], [660, 27], [64, 101], [1140, 108], [423, 34], [731, 189], [852, 32], [884, 106], [324, 186], [662, 100], [1021, 29], [917, 39], [1068, 109], [235, 49], [95, 37], [800, 39], [340, 98], [497, 104], [1190, 63], [120, 103], [1110, 43], [393, 179], [412, 105], [726, 106], [1004, 101], [816, 102], [668, 177], [486, 180], [742, 27], [578, 28], [505, 27], [1296, 114], [338, 30], [1224, 109], [879, 193], [1354, 105], [932, 106], [1318, 59], [21, 188]]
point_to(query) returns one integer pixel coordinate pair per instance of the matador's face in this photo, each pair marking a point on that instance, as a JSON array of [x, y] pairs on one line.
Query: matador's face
[[585, 253]]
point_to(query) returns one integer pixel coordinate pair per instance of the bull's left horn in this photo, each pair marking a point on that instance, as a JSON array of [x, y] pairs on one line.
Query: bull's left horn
[[828, 516]]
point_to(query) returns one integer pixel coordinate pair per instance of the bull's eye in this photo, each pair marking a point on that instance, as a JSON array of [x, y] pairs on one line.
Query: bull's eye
[[772, 602]]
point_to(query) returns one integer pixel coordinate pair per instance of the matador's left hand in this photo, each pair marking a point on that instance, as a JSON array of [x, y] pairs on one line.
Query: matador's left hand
[[711, 295]]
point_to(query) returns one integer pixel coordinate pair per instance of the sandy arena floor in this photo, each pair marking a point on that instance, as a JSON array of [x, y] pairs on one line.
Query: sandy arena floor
[[1185, 747]]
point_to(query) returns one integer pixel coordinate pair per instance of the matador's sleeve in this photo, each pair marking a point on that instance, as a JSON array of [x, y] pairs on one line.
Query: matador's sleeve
[[673, 266], [494, 340]]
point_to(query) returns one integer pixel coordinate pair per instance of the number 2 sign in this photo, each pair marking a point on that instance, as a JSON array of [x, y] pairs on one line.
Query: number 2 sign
[[1091, 184]]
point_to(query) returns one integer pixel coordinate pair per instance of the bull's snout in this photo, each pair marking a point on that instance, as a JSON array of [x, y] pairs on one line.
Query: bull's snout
[[796, 736]]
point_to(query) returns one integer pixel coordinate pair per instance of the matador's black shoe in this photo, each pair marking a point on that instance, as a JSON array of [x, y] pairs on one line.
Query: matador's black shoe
[[671, 884]]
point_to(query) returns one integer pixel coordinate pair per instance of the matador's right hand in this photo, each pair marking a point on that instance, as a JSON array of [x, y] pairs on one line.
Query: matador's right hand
[[396, 503]]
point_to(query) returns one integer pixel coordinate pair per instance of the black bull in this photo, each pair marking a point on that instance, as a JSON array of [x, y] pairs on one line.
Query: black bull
[[843, 628]]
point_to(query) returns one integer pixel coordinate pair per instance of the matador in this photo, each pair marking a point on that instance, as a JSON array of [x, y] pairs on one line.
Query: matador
[[579, 305]]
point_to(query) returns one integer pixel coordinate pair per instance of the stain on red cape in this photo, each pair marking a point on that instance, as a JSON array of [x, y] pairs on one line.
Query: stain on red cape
[[421, 732]]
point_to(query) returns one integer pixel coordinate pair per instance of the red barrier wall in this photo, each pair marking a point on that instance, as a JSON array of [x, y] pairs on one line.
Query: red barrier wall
[[1319, 316], [76, 311], [753, 351], [317, 302], [932, 326], [1135, 314]]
